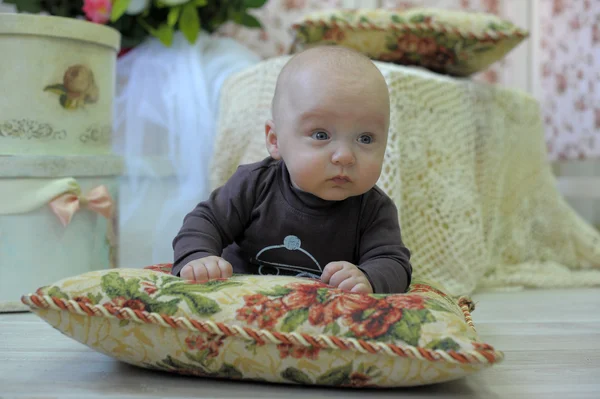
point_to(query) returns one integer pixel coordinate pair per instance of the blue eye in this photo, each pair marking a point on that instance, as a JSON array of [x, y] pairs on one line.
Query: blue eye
[[365, 139], [320, 135]]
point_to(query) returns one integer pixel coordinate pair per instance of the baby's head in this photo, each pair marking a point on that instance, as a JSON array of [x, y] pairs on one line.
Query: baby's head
[[331, 114]]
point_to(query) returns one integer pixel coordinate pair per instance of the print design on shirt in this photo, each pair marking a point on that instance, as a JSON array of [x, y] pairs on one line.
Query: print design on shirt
[[291, 243]]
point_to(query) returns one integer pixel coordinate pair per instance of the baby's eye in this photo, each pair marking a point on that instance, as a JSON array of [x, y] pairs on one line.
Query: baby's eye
[[320, 135], [365, 139]]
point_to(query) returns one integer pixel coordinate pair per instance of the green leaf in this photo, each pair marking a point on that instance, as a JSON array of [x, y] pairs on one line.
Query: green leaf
[[123, 323], [364, 20], [417, 18], [56, 292], [322, 295], [30, 6], [164, 33], [277, 291], [336, 329], [336, 376], [229, 371], [444, 344], [500, 26], [294, 319], [57, 89], [182, 287], [173, 16], [254, 3], [119, 8], [250, 21], [408, 329], [482, 49], [189, 22], [114, 285], [202, 305], [349, 334], [397, 19], [361, 368], [425, 315], [294, 375], [470, 42], [432, 304], [132, 288], [367, 313], [168, 307], [199, 357], [333, 328], [200, 3], [95, 299], [63, 100], [392, 46], [169, 364]]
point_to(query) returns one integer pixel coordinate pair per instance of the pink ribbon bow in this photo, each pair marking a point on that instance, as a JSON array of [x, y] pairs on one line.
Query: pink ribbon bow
[[97, 200]]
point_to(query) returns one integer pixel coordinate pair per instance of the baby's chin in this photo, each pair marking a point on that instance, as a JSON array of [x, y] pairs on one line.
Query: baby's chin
[[336, 194]]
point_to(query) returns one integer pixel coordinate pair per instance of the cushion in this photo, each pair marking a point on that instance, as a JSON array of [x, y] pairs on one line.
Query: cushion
[[267, 328], [456, 43]]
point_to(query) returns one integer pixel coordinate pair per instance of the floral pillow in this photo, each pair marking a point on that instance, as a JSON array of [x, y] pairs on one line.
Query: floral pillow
[[262, 328], [451, 42]]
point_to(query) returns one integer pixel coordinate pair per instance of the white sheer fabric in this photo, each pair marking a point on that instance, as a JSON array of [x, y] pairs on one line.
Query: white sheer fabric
[[165, 115]]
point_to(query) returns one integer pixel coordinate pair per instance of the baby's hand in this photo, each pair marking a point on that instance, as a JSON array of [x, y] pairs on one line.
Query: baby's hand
[[346, 276], [205, 269]]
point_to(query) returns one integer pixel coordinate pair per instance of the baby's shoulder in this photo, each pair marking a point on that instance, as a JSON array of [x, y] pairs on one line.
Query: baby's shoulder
[[266, 164], [257, 171], [376, 196]]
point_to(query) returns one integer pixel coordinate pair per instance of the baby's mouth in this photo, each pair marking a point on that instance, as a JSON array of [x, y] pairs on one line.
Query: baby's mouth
[[341, 180]]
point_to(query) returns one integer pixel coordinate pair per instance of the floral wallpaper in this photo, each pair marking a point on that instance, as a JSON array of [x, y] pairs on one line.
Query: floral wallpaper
[[570, 77], [568, 64]]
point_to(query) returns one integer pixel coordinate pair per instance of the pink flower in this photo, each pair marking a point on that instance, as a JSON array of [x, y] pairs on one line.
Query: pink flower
[[561, 83], [558, 6], [294, 4], [491, 6], [97, 11]]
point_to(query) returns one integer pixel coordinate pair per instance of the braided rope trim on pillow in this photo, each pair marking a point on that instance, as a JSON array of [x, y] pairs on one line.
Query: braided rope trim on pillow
[[484, 354], [432, 26], [322, 19]]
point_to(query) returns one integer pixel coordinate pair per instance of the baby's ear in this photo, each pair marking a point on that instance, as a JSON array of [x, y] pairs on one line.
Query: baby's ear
[[271, 140]]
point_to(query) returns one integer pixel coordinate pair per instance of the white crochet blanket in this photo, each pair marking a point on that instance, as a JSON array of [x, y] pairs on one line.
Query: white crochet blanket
[[466, 164]]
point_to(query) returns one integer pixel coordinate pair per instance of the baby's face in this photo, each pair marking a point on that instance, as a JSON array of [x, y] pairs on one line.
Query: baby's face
[[332, 134]]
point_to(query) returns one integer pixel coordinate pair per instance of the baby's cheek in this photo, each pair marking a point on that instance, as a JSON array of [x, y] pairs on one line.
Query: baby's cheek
[[301, 173], [373, 170], [307, 176]]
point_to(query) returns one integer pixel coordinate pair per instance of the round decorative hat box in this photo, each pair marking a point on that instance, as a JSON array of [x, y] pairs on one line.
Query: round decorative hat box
[[57, 83], [58, 218]]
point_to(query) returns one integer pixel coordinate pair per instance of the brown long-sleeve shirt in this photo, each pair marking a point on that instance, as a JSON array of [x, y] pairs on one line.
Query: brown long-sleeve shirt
[[261, 224]]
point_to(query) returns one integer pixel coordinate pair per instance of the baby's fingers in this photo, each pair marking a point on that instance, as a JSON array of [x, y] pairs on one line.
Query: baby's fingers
[[226, 268], [187, 272], [331, 269], [348, 284], [213, 270], [362, 288]]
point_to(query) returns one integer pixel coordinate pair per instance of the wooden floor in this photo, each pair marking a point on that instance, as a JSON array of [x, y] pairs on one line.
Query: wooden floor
[[551, 340]]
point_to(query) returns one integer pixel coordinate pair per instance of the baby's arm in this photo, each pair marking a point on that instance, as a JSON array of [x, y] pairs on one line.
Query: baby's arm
[[383, 257], [212, 226]]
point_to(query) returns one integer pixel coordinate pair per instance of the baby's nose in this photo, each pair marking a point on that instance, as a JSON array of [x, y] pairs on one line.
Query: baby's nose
[[343, 156]]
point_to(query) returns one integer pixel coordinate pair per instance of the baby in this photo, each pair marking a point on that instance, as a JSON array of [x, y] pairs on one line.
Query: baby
[[312, 208]]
